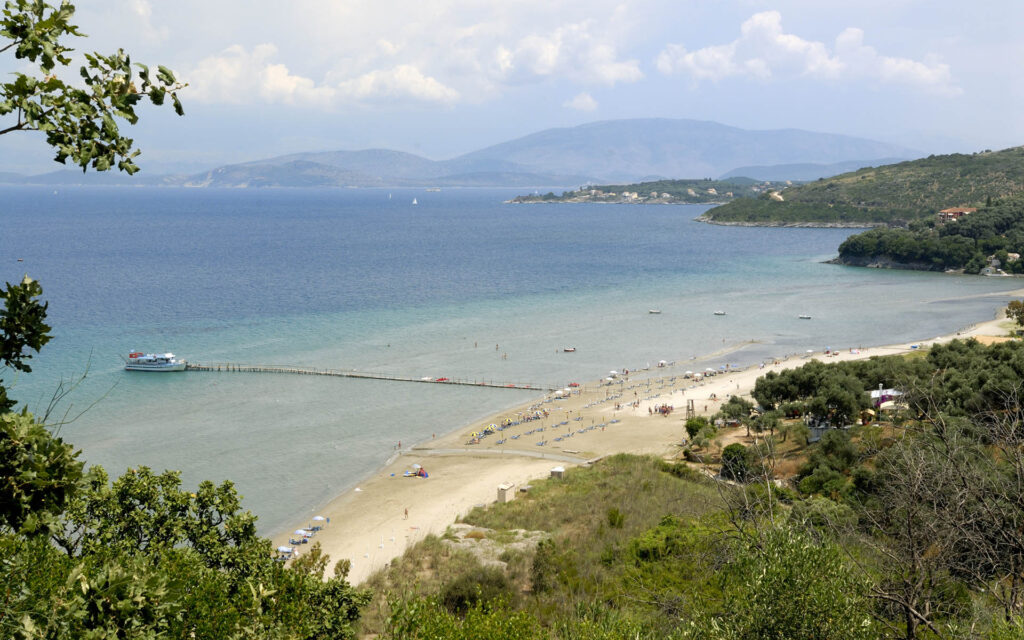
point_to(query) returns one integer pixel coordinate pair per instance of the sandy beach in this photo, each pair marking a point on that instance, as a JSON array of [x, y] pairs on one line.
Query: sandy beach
[[388, 511]]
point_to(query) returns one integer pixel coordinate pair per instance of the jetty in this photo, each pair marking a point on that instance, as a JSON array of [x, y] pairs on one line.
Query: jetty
[[365, 375]]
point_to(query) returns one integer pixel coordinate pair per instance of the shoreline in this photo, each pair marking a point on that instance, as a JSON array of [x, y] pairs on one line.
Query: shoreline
[[384, 513]]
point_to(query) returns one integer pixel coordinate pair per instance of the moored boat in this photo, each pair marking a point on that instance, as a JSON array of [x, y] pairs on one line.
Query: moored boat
[[804, 316], [569, 349], [138, 361], [654, 311], [719, 313]]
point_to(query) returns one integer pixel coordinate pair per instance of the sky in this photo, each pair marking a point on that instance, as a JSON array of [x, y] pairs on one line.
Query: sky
[[444, 77]]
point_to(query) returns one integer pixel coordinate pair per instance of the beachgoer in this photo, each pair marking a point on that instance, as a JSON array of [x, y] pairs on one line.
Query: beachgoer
[[407, 513]]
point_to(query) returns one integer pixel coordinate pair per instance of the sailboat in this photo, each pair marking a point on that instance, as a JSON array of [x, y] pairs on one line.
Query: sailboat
[[414, 201]]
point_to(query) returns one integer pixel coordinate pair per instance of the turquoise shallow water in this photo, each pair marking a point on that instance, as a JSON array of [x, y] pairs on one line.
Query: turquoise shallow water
[[355, 279]]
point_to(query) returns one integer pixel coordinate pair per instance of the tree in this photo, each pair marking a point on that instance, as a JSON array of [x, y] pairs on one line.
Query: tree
[[734, 462], [79, 122], [695, 425], [1015, 310]]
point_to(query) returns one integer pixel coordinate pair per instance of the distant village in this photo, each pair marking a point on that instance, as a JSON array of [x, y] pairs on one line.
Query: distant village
[[680, 192]]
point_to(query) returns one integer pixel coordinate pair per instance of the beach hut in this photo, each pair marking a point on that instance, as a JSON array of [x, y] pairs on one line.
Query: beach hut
[[506, 492], [558, 472]]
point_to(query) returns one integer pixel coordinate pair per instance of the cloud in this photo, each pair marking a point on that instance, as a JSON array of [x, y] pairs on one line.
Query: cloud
[[765, 51], [143, 11], [581, 102], [236, 76], [577, 52], [402, 81]]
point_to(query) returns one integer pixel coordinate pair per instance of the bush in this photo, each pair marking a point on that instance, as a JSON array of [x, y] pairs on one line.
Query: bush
[[734, 462], [694, 425], [490, 583], [615, 518]]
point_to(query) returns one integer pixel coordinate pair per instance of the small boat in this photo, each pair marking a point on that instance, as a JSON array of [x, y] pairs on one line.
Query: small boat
[[138, 361], [654, 311], [804, 317], [414, 201], [719, 313], [569, 349], [433, 189]]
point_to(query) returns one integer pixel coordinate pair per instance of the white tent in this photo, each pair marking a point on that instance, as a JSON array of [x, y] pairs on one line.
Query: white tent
[[283, 549]]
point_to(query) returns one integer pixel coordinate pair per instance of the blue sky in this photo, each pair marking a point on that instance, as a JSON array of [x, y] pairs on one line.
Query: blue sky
[[442, 77]]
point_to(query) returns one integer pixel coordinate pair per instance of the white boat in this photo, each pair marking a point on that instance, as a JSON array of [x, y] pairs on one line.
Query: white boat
[[654, 311], [804, 316], [719, 313], [569, 349], [433, 189], [138, 361], [414, 201]]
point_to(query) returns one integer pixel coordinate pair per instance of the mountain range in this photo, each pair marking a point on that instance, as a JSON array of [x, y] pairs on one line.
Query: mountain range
[[598, 152]]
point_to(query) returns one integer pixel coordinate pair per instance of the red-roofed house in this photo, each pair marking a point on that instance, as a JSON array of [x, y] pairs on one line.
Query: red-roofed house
[[955, 213]]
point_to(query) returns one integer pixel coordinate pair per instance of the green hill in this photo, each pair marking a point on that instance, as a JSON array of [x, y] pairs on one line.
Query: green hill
[[972, 243], [888, 195]]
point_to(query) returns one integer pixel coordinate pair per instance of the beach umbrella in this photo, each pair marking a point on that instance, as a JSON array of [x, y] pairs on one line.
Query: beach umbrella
[[318, 518], [689, 373], [416, 466], [283, 549], [810, 351], [302, 532], [613, 373]]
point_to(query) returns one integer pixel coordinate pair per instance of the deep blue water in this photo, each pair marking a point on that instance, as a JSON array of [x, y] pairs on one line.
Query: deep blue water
[[354, 279]]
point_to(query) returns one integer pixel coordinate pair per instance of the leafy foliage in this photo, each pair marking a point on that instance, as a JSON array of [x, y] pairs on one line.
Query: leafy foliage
[[80, 123]]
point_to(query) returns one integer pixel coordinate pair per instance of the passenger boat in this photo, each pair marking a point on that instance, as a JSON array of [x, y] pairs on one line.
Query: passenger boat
[[138, 361]]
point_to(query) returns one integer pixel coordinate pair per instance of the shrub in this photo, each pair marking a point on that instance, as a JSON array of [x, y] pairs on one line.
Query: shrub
[[490, 583], [615, 518]]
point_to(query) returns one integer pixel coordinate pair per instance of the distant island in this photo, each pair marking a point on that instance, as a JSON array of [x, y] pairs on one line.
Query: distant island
[[694, 191], [605, 152]]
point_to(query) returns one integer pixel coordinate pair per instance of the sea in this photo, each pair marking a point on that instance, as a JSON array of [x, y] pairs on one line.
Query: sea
[[459, 285]]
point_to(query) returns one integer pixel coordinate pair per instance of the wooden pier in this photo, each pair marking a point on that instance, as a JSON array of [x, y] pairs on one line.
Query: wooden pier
[[352, 373]]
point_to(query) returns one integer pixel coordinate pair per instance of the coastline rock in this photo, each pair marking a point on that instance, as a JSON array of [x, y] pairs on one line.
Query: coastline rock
[[795, 225]]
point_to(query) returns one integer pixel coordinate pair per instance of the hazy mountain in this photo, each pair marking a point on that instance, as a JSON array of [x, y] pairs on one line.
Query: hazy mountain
[[630, 150], [804, 171], [599, 152]]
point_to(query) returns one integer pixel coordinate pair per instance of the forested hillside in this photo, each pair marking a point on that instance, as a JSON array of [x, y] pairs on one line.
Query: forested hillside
[[892, 194], [996, 230]]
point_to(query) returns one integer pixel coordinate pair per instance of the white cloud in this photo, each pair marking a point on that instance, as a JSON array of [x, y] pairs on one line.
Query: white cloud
[[402, 81], [581, 102], [764, 51], [143, 11], [236, 76], [578, 52]]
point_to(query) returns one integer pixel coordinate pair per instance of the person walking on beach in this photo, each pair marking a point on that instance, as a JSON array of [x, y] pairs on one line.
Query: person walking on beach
[[406, 513]]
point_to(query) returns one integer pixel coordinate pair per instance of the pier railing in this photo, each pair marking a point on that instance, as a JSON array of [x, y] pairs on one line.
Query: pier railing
[[366, 375]]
